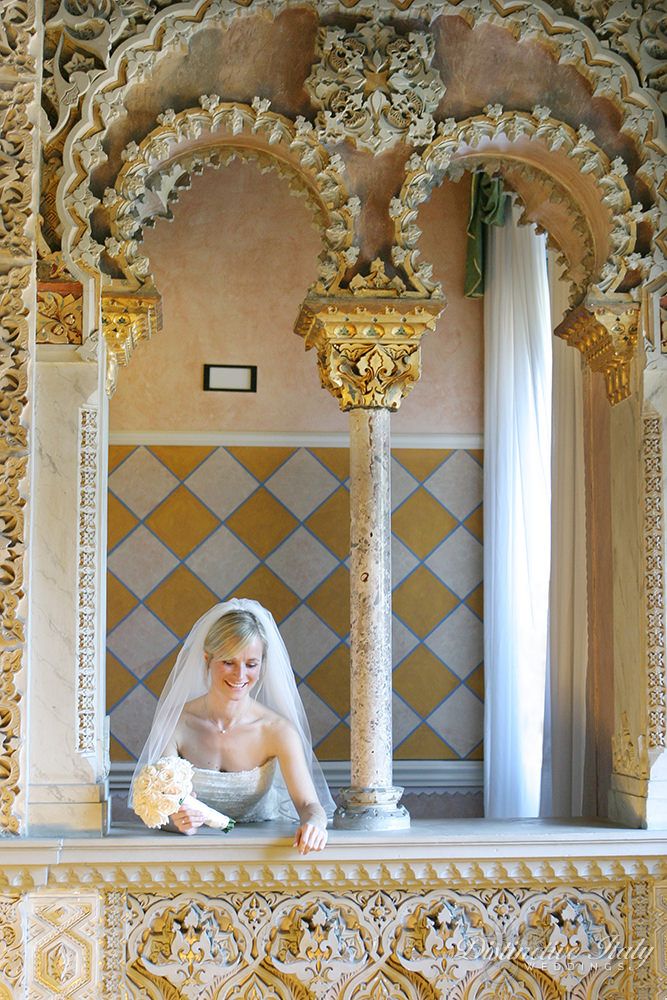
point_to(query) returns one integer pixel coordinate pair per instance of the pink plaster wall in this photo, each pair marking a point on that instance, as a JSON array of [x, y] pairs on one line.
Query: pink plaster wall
[[233, 267]]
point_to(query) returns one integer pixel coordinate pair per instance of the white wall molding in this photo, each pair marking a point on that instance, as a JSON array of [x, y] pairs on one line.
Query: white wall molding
[[413, 775], [280, 440]]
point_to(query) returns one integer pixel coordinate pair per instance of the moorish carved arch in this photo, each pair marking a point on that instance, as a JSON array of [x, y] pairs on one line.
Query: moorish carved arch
[[158, 168], [136, 58], [571, 190]]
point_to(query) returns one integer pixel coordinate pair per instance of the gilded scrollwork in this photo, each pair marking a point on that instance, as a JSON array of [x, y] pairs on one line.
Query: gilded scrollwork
[[606, 335], [374, 86], [537, 942], [12, 504], [16, 169], [59, 315], [368, 352], [11, 662], [127, 319], [14, 356], [12, 966]]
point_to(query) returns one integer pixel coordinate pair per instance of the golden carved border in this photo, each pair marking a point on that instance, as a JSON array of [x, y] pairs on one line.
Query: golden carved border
[[456, 148]]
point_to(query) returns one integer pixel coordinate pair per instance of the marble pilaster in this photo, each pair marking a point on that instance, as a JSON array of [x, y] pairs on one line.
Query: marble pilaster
[[655, 411], [371, 801], [66, 721]]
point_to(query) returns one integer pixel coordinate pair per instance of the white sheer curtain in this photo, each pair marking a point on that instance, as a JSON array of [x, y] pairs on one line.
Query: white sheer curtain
[[565, 715], [517, 473]]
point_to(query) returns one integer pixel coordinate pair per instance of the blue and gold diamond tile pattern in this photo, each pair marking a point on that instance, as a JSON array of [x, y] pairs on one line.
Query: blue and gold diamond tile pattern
[[190, 526]]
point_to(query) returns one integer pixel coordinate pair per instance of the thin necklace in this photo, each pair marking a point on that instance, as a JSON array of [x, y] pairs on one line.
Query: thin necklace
[[219, 726]]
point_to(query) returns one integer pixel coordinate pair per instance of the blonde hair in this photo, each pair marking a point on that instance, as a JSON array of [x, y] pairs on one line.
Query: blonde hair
[[232, 633]]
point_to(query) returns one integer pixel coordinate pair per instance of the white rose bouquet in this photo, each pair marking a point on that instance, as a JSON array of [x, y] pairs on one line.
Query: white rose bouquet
[[161, 789]]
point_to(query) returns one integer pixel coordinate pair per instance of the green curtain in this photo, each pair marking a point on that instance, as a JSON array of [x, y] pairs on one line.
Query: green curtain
[[487, 208]]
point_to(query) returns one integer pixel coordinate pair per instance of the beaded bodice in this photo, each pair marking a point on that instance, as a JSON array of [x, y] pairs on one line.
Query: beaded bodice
[[246, 796]]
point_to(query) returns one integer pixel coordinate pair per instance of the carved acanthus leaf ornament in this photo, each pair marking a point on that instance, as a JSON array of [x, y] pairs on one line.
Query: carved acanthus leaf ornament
[[59, 313], [369, 351], [375, 87]]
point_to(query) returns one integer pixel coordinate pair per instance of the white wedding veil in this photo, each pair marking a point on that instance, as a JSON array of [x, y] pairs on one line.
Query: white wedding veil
[[278, 691]]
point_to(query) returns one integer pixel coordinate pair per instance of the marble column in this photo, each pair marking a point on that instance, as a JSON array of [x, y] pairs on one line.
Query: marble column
[[371, 802], [67, 749]]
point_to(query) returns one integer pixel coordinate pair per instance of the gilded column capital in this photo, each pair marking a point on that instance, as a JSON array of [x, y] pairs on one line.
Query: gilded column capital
[[368, 349], [605, 332], [127, 319]]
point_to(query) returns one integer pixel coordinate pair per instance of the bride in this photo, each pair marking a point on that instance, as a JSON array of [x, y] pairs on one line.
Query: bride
[[231, 707]]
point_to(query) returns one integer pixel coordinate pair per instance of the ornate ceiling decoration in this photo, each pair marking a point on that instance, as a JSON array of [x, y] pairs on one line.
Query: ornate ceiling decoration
[[374, 86], [636, 29]]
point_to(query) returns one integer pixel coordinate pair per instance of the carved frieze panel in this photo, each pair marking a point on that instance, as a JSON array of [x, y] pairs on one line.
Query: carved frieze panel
[[63, 946], [541, 943], [374, 86], [654, 581], [368, 351]]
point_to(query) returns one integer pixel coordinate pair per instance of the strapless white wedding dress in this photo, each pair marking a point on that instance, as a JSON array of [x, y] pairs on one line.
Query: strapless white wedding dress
[[246, 796]]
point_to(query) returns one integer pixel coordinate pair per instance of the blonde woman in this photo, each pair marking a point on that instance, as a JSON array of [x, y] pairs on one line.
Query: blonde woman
[[231, 707]]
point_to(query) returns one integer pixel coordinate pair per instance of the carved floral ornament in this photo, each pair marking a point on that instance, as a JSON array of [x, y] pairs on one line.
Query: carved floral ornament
[[368, 352], [81, 45], [377, 944], [374, 86]]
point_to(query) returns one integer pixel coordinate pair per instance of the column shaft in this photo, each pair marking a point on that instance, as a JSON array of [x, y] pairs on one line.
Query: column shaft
[[371, 801]]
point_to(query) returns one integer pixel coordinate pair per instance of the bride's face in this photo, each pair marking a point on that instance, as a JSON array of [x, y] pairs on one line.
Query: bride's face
[[236, 675]]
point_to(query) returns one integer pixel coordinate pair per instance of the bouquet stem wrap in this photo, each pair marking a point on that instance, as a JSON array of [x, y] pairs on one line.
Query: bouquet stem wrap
[[161, 789]]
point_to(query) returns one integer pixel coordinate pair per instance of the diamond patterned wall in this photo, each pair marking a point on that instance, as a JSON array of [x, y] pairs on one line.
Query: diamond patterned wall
[[189, 526]]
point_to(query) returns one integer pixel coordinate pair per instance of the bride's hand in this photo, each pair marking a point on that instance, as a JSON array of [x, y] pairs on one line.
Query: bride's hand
[[187, 821], [309, 837]]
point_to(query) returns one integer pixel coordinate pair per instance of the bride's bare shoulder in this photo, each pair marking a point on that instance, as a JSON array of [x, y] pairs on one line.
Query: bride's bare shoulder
[[192, 712]]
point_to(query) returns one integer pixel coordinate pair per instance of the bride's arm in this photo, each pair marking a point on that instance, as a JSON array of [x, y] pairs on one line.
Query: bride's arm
[[311, 834]]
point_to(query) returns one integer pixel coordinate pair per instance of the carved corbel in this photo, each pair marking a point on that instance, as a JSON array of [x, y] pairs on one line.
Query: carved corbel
[[127, 319], [605, 332], [368, 349]]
